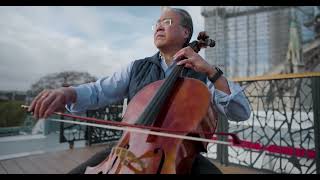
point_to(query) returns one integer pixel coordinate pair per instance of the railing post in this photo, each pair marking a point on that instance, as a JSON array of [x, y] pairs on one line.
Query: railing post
[[316, 118], [89, 136], [61, 137], [222, 149]]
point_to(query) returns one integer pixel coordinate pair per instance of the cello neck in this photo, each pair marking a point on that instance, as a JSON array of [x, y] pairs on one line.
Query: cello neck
[[151, 112]]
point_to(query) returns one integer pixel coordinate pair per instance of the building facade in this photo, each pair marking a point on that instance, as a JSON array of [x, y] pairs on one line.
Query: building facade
[[253, 40]]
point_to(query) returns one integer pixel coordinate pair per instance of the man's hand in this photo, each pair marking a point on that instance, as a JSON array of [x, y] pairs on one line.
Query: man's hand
[[50, 101], [194, 60]]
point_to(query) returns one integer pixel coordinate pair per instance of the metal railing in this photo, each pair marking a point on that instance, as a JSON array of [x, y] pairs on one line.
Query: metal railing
[[93, 135], [282, 133], [99, 135]]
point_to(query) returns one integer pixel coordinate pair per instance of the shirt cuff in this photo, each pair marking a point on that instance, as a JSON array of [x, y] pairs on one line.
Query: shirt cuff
[[83, 97], [224, 98], [234, 106]]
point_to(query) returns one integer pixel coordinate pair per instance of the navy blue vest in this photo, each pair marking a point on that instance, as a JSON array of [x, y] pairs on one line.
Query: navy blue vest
[[148, 70]]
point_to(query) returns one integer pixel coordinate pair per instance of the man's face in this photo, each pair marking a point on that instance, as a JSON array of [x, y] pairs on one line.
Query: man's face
[[169, 34]]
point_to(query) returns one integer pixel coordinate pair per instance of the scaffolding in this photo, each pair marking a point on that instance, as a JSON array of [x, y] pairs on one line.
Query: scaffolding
[[253, 40]]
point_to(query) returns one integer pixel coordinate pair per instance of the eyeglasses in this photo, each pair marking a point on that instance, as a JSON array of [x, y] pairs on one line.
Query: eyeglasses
[[165, 23]]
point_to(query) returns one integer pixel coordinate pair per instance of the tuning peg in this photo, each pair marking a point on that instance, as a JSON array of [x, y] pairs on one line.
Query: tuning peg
[[202, 36]]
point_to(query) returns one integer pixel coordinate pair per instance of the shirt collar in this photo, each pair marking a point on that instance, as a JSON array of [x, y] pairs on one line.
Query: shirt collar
[[163, 60], [161, 57]]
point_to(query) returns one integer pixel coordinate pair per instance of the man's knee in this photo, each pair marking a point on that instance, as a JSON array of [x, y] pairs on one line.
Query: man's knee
[[93, 161], [202, 165]]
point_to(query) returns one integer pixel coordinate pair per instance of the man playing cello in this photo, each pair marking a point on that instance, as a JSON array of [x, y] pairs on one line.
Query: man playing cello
[[172, 32]]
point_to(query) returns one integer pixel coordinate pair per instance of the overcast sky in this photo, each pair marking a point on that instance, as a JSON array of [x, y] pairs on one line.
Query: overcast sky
[[36, 41]]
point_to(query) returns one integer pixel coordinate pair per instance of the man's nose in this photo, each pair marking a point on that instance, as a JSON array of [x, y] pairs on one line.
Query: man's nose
[[159, 28]]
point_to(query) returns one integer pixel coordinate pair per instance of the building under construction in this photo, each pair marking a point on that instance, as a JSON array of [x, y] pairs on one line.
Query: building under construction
[[259, 40]]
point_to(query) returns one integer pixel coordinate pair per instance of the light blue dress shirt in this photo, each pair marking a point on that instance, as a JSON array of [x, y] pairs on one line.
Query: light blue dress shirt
[[114, 88]]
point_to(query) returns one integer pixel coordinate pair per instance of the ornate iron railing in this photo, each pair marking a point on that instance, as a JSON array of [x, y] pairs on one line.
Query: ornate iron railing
[[93, 135], [72, 132], [99, 135], [282, 133]]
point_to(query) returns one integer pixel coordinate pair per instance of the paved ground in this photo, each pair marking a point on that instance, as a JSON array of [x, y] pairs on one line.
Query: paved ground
[[234, 169], [61, 162]]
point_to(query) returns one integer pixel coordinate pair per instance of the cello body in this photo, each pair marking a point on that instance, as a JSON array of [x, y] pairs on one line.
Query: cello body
[[187, 106]]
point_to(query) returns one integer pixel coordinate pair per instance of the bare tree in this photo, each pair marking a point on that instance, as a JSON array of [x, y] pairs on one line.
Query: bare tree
[[56, 80]]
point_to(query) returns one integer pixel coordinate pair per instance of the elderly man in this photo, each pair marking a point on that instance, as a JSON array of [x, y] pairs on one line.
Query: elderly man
[[172, 33]]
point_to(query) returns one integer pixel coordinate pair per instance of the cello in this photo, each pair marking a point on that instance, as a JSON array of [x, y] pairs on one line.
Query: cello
[[176, 103]]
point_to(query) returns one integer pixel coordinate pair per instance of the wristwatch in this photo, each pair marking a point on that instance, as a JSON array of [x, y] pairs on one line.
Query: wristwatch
[[216, 75]]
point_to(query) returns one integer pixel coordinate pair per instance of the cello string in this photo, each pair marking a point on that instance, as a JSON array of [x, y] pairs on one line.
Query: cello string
[[150, 112]]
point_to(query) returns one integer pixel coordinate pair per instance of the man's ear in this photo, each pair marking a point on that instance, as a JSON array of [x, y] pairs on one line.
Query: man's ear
[[186, 33]]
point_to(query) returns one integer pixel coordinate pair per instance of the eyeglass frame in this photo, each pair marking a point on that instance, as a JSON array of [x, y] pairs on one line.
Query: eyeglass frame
[[162, 22]]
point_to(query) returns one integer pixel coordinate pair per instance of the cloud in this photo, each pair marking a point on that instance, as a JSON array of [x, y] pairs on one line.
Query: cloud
[[36, 41]]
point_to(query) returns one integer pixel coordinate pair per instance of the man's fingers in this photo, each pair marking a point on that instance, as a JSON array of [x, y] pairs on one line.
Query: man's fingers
[[56, 104], [183, 53], [45, 103], [180, 54], [61, 109], [38, 104], [184, 62], [34, 102], [36, 109], [177, 56], [188, 65]]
